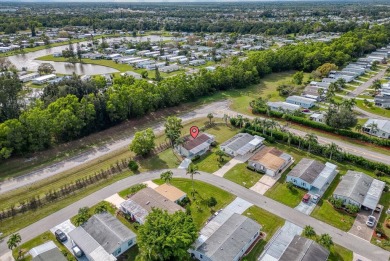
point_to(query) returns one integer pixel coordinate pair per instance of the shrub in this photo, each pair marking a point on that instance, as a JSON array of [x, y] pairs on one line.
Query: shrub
[[353, 209], [133, 166], [211, 202]]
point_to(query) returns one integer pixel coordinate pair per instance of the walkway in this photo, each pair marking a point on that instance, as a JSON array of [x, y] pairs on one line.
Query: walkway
[[342, 238], [233, 162]]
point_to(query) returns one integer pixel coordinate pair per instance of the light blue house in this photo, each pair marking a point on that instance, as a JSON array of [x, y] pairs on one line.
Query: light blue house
[[304, 102], [312, 175]]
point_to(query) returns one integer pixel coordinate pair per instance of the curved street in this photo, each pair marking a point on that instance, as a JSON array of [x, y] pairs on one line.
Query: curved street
[[355, 244]]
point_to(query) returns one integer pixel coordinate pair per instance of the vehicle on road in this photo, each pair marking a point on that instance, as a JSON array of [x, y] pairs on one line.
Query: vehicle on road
[[371, 221], [60, 235], [77, 251], [306, 198]]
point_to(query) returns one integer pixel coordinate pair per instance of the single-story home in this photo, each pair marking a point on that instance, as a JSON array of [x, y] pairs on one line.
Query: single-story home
[[312, 175], [141, 203], [376, 127], [169, 68], [304, 102], [195, 147], [103, 237], [359, 189], [269, 160], [283, 106], [241, 144], [230, 241], [318, 117], [171, 192], [46, 252], [43, 79], [304, 249], [28, 77], [382, 101]]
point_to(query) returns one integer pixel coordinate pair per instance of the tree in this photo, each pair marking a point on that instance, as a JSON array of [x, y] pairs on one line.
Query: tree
[[166, 236], [78, 52], [82, 216], [272, 125], [348, 104], [376, 85], [133, 166], [157, 76], [45, 68], [143, 142], [332, 149], [210, 116], [13, 241], [311, 139], [173, 126], [144, 74], [225, 118], [325, 240], [308, 231], [341, 83], [101, 208], [166, 176], [341, 118], [373, 127], [192, 170], [211, 202], [325, 69], [358, 127], [298, 78], [220, 155], [10, 88]]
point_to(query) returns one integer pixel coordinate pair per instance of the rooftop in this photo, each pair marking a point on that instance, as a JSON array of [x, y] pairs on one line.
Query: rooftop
[[304, 249], [354, 185], [170, 192], [269, 157], [192, 143], [307, 170], [383, 125], [47, 252], [242, 143]]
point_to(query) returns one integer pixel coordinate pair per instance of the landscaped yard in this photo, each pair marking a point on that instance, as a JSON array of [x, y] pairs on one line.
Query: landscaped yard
[[208, 162], [270, 224], [339, 253], [280, 192], [240, 174], [385, 202], [199, 211], [163, 160], [373, 109]]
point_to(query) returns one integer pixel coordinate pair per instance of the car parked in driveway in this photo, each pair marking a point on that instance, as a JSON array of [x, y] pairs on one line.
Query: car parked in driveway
[[315, 198], [60, 235], [306, 198], [77, 251], [371, 221]]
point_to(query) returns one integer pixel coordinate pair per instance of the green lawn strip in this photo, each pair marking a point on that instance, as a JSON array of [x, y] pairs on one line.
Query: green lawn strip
[[164, 160], [209, 162], [373, 109], [280, 192], [270, 224], [131, 190], [339, 253], [204, 191], [243, 176], [385, 202], [39, 240]]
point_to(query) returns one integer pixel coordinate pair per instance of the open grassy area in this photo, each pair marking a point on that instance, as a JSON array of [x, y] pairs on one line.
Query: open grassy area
[[270, 224], [208, 162], [385, 202], [199, 211], [240, 174], [39, 240], [339, 253], [373, 109]]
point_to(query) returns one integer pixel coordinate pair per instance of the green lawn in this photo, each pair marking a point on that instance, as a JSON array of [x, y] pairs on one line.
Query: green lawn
[[199, 211], [280, 192], [270, 224], [163, 160], [209, 162], [339, 253], [385, 202], [324, 211], [373, 109], [240, 174], [39, 240]]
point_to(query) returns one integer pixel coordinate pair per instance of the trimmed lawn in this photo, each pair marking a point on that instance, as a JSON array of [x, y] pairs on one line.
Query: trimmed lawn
[[324, 211], [199, 211], [339, 253], [39, 240], [290, 197], [270, 224], [243, 176], [209, 162], [164, 160], [373, 109]]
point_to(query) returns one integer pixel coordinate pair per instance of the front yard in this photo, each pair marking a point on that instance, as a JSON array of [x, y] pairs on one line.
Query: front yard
[[243, 176]]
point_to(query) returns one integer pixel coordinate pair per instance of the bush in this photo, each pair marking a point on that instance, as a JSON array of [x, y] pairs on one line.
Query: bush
[[184, 202], [133, 166], [353, 209], [211, 202]]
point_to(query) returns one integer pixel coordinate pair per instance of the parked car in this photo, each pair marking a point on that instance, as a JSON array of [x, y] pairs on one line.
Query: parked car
[[60, 235], [315, 198], [371, 221], [306, 198], [77, 251], [378, 208]]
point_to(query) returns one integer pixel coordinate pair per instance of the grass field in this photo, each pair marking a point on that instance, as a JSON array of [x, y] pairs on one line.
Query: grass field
[[204, 191], [243, 176], [270, 224], [373, 109], [339, 253]]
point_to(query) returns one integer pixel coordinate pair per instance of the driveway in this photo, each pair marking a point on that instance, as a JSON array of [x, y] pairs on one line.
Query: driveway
[[115, 200], [360, 228], [366, 84], [265, 183], [306, 208]]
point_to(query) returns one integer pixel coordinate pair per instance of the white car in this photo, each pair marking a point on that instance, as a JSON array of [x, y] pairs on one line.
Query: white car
[[77, 251], [371, 221], [315, 198]]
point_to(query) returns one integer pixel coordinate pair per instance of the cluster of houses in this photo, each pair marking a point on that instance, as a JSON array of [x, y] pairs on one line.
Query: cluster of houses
[[377, 127]]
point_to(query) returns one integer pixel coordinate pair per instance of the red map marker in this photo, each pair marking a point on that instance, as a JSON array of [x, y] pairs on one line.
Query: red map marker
[[194, 131]]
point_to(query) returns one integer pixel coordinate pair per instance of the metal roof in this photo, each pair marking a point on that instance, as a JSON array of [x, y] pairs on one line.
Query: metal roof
[[324, 176], [284, 105], [354, 185], [50, 255], [307, 169], [304, 249], [42, 248], [374, 194], [242, 143], [302, 99]]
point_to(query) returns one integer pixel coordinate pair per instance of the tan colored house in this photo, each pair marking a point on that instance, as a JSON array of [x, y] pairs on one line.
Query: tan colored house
[[171, 192], [270, 161]]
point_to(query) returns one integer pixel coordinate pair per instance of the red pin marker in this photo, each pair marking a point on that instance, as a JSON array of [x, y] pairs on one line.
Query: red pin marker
[[194, 131]]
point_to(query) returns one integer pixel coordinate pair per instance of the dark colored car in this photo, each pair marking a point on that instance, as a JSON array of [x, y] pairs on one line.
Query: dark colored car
[[60, 235], [306, 198]]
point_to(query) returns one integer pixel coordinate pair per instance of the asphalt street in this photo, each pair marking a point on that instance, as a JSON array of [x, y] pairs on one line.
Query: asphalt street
[[355, 244]]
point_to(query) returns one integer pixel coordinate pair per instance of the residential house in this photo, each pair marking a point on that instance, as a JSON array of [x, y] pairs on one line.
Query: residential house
[[382, 101], [376, 127], [169, 68], [304, 102], [42, 79], [359, 189], [241, 144], [230, 241], [136, 76], [103, 237], [283, 107], [318, 117], [269, 160], [171, 192], [312, 175], [47, 252], [141, 203], [28, 77], [304, 249], [195, 147]]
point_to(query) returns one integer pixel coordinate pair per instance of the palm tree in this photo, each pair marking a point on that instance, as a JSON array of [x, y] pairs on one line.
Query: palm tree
[[225, 119], [166, 176], [348, 103], [192, 170], [272, 125], [256, 124], [264, 122], [358, 127], [210, 116], [290, 136], [373, 127], [311, 139], [332, 148], [220, 155], [308, 231], [240, 121], [325, 240], [14, 240]]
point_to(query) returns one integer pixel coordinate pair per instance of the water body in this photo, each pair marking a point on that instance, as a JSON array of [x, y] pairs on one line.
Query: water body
[[28, 59]]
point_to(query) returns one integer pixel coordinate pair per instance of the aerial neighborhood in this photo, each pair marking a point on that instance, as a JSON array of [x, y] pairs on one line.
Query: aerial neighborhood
[[210, 131]]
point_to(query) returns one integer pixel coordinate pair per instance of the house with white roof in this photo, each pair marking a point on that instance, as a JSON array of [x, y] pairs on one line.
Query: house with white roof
[[283, 106], [376, 127], [304, 102], [241, 144], [191, 147]]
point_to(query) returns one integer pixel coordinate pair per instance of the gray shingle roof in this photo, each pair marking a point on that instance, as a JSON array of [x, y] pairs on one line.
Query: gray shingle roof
[[307, 170], [228, 240], [304, 249], [52, 254]]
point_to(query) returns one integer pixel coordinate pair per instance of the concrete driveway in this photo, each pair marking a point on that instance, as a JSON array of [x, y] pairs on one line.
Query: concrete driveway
[[359, 227], [265, 183], [305, 208]]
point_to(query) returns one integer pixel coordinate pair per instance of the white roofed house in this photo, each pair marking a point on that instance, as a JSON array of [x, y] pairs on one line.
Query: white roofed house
[[376, 127], [318, 117], [304, 102], [241, 144], [195, 147], [283, 107]]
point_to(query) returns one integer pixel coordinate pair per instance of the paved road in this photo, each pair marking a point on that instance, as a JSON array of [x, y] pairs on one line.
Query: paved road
[[367, 84], [357, 245], [370, 115]]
